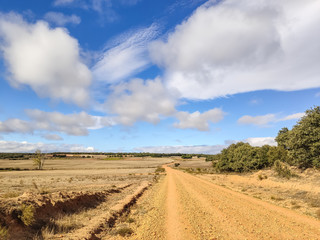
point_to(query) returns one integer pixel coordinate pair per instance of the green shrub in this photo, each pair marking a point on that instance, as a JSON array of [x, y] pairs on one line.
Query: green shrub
[[27, 214], [282, 170]]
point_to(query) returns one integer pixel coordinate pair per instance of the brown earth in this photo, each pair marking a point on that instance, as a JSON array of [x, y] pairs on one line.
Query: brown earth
[[183, 206]]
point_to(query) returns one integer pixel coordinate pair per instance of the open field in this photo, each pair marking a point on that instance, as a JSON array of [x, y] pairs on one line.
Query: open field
[[131, 198], [68, 194]]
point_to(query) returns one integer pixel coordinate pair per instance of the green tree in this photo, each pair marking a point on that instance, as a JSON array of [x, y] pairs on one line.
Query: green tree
[[283, 138], [38, 159], [304, 140]]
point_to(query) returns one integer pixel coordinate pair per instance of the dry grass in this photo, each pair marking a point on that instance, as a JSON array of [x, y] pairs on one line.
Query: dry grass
[[301, 194]]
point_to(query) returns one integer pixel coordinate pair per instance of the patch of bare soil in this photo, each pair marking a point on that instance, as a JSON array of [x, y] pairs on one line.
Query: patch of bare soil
[[183, 206]]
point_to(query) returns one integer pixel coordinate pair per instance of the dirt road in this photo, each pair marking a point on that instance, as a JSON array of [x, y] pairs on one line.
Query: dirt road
[[184, 206]]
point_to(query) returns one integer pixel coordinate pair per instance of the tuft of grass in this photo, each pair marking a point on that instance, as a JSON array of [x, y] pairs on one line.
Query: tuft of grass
[[275, 198], [3, 233], [124, 231], [314, 202], [262, 176], [35, 185], [159, 170], [27, 214]]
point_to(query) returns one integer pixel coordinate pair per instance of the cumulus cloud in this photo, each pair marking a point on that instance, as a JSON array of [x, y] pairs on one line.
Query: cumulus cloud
[[53, 137], [197, 149], [26, 147], [241, 46], [197, 120], [265, 120], [45, 59], [125, 56], [260, 141], [61, 19], [15, 125], [257, 120], [140, 100], [76, 124]]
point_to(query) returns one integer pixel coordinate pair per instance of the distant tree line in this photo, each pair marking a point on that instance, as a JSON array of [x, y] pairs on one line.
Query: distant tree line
[[299, 147]]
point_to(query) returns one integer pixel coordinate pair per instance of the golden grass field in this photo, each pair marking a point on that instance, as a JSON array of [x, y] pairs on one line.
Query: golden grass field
[[98, 197]]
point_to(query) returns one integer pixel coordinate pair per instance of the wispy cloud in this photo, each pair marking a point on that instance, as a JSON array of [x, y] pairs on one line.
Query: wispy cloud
[[61, 19], [266, 120], [125, 56]]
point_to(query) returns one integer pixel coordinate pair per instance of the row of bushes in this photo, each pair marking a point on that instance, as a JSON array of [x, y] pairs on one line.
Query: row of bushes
[[242, 157], [297, 147]]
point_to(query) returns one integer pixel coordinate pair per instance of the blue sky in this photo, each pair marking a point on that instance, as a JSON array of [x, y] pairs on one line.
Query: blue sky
[[187, 76]]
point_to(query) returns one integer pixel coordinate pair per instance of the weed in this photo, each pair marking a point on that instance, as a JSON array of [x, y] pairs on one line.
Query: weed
[[35, 185], [283, 170], [296, 207], [3, 233], [262, 176], [275, 198], [124, 231], [27, 214], [159, 170], [314, 202]]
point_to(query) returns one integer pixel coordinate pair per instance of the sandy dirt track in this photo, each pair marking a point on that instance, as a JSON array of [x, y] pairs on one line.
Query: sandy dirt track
[[183, 206]]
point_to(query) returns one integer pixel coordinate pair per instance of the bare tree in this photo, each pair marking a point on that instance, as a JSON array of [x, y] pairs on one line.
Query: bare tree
[[38, 160]]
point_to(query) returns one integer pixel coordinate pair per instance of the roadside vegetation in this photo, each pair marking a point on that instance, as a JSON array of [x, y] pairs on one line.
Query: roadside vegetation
[[299, 147]]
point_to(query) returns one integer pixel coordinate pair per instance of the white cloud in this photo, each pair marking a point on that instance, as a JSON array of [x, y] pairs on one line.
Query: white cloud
[[53, 137], [197, 120], [76, 124], [257, 120], [45, 59], [260, 141], [294, 116], [125, 56], [13, 146], [265, 120], [61, 19], [140, 100], [241, 46], [197, 149], [317, 94], [15, 125], [206, 149]]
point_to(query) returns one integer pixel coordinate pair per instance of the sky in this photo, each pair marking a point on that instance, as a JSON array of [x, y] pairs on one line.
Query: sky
[[188, 76]]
